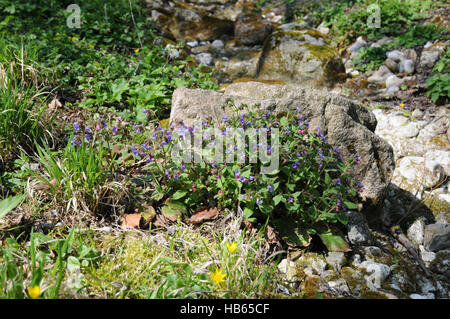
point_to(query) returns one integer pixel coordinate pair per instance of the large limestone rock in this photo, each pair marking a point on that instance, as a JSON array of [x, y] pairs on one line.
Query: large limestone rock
[[348, 125], [300, 55], [251, 29]]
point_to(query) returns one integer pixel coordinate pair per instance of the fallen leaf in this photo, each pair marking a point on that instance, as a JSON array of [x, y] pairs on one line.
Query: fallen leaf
[[272, 235], [203, 215], [161, 221], [131, 220], [148, 215], [54, 104]]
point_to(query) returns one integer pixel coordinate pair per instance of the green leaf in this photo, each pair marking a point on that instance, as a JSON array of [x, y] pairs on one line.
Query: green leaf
[[334, 241], [292, 233], [73, 264], [9, 204], [179, 194], [350, 205], [247, 213], [277, 199]]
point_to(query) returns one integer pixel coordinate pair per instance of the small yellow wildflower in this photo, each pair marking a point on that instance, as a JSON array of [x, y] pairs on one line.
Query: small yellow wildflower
[[91, 46], [232, 247], [175, 67], [136, 50], [34, 291], [73, 38], [402, 105], [218, 276]]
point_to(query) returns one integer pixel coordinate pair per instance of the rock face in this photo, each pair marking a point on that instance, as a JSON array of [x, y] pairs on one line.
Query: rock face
[[251, 29], [299, 55], [348, 125]]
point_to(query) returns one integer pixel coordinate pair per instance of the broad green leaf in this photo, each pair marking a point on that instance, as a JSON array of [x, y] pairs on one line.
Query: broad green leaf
[[350, 205], [179, 194], [334, 241], [9, 204], [292, 233], [277, 199]]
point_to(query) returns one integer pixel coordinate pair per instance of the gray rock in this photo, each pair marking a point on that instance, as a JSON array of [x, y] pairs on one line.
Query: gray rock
[[251, 29], [378, 273], [437, 237], [412, 169], [395, 55], [359, 43], [336, 259], [440, 156], [391, 65], [372, 252], [341, 119], [429, 58], [204, 58], [339, 286], [407, 66], [393, 80], [358, 230], [417, 296], [218, 44], [427, 256], [415, 232], [380, 76], [192, 43], [441, 264]]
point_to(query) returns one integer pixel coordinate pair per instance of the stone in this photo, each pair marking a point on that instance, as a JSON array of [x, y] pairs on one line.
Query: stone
[[437, 237], [336, 259], [427, 256], [440, 156], [300, 56], [407, 66], [218, 44], [380, 76], [357, 45], [339, 286], [415, 170], [204, 58], [430, 56], [383, 41], [251, 29], [393, 80], [395, 55], [191, 25], [391, 65], [435, 128], [372, 252], [243, 64], [192, 44], [415, 232], [312, 264], [343, 120], [406, 131], [358, 231], [288, 269], [377, 273], [441, 264]]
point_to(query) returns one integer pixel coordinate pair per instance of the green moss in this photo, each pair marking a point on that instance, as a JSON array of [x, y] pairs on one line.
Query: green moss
[[323, 52]]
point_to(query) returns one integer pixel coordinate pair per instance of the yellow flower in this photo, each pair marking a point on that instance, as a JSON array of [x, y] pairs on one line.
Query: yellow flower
[[73, 38], [34, 291], [136, 50], [175, 67], [402, 105], [91, 46], [232, 248], [218, 276]]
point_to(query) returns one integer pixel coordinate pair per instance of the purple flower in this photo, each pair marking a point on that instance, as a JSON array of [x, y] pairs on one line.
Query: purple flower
[[242, 179], [237, 173], [270, 188], [114, 130], [87, 137], [134, 151], [259, 202], [76, 126], [290, 200], [338, 181]]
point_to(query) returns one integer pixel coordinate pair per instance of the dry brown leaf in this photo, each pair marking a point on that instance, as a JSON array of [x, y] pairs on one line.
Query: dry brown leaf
[[54, 104], [203, 215], [272, 236], [161, 221], [131, 220]]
